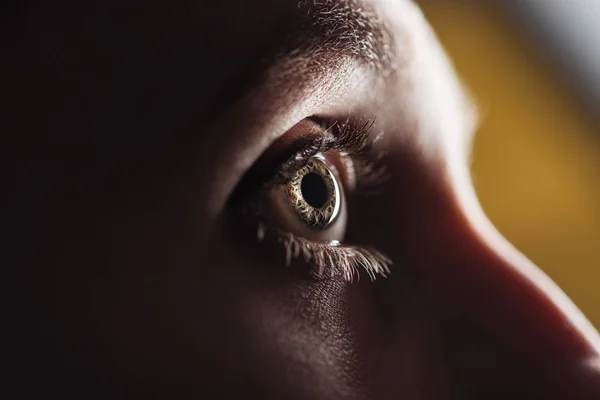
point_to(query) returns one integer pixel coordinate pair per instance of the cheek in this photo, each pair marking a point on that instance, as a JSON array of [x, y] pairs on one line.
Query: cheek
[[179, 304]]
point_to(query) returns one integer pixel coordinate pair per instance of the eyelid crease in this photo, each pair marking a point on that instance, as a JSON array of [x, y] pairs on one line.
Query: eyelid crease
[[350, 139]]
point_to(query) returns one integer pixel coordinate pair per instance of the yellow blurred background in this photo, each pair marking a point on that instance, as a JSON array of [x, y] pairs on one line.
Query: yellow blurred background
[[536, 156]]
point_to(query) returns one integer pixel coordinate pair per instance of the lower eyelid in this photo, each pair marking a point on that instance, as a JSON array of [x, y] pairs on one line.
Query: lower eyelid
[[326, 259]]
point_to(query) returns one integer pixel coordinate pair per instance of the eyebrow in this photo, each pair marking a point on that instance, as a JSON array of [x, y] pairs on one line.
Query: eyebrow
[[343, 28], [315, 39]]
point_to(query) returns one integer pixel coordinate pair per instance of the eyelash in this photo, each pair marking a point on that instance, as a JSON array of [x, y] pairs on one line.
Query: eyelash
[[351, 140], [332, 255]]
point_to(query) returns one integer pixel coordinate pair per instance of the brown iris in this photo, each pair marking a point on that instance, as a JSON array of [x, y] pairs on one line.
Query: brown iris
[[314, 194]]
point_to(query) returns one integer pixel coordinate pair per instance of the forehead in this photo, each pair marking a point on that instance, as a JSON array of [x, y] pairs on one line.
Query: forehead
[[203, 49], [222, 31], [146, 69]]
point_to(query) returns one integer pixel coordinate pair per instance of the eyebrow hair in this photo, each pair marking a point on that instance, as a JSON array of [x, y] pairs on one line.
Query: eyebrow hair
[[346, 28]]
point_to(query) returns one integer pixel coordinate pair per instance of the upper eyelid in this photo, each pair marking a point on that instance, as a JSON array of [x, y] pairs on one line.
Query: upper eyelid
[[349, 137]]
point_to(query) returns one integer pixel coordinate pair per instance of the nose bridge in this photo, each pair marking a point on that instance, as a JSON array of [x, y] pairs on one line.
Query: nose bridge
[[441, 242], [435, 231], [472, 305], [507, 290], [504, 312], [502, 292]]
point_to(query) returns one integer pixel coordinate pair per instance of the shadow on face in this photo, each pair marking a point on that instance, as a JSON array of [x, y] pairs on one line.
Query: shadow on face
[[154, 146]]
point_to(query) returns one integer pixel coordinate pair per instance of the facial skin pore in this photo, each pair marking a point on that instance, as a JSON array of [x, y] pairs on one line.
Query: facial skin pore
[[131, 124]]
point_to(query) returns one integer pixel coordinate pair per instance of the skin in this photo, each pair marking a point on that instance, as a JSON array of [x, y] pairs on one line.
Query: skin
[[131, 123]]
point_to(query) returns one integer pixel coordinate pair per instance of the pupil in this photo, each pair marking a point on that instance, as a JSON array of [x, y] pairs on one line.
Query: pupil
[[314, 190]]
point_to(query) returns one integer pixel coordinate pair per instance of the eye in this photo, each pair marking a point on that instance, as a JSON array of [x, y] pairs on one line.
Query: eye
[[297, 192]]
